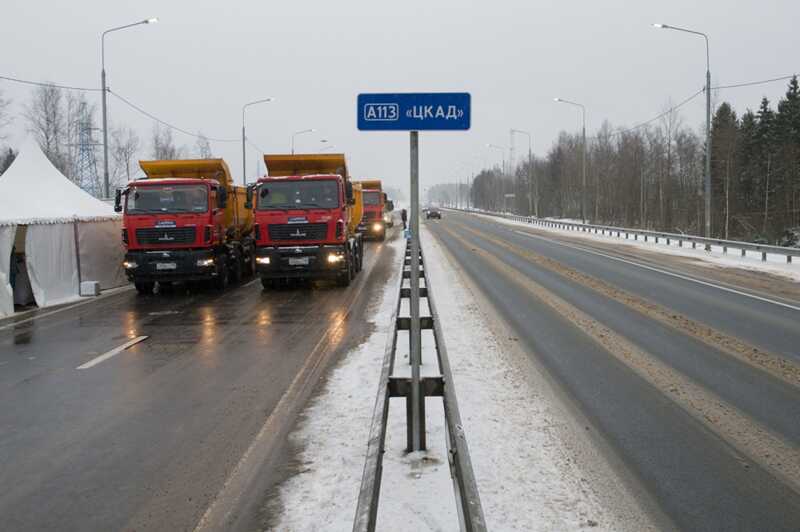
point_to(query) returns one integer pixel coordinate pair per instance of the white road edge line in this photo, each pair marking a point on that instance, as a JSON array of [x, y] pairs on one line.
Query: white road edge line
[[77, 304], [108, 354], [665, 272]]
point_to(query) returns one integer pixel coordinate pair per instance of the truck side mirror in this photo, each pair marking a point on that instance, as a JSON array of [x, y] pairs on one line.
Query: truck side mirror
[[248, 202], [348, 192], [118, 201], [390, 205], [222, 197]]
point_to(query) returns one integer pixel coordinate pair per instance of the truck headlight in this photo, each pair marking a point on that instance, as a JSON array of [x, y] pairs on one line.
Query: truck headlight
[[205, 262], [387, 218], [129, 264], [377, 228], [262, 260], [333, 258]]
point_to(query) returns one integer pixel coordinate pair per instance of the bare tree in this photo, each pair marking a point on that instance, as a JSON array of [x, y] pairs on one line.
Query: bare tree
[[5, 117], [124, 146], [47, 123], [203, 147], [164, 145]]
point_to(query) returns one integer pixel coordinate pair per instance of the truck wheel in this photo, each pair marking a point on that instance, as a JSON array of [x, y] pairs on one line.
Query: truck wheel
[[144, 288], [221, 281], [346, 276], [251, 264], [238, 270], [267, 284], [383, 236]]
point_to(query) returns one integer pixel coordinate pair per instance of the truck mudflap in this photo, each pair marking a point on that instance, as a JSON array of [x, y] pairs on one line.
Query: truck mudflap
[[302, 262], [173, 265]]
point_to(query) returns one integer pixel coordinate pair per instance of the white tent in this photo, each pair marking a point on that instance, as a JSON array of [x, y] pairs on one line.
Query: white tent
[[70, 237]]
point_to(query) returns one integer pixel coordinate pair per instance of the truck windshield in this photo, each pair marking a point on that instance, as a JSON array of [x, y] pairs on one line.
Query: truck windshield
[[372, 197], [168, 198], [298, 195]]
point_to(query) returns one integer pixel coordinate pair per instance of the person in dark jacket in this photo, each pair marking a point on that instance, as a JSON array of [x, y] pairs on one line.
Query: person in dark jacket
[[404, 217]]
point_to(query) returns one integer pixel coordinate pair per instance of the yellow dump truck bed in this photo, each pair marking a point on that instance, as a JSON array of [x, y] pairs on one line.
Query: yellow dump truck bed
[[357, 209], [306, 164], [237, 219]]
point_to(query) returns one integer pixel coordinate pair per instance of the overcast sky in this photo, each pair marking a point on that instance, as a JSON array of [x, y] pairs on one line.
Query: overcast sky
[[204, 59]]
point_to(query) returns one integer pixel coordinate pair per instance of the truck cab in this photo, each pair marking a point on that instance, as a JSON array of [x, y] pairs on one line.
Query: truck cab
[[373, 221], [184, 222], [302, 211]]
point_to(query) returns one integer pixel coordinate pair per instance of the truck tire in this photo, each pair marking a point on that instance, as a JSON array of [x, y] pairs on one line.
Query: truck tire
[[383, 236], [237, 273], [345, 277], [144, 288], [267, 284], [221, 281]]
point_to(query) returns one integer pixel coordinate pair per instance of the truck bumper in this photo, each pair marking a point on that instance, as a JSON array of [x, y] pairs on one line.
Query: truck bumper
[[172, 265], [300, 262], [375, 229]]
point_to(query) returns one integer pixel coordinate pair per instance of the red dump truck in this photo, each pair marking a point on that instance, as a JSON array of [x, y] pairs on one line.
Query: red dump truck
[[306, 219], [376, 214], [186, 221]]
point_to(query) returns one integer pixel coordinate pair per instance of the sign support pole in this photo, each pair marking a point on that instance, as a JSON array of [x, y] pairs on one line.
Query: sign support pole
[[417, 429]]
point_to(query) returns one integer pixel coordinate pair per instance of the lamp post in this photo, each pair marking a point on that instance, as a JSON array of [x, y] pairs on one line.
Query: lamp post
[[707, 178], [244, 136], [502, 150], [533, 207], [583, 155], [106, 184], [300, 133]]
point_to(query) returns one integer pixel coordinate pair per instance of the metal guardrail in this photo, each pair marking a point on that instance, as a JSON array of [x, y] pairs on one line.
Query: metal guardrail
[[627, 233], [470, 511]]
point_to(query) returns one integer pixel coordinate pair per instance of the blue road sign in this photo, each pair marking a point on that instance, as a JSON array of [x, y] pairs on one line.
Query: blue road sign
[[435, 111]]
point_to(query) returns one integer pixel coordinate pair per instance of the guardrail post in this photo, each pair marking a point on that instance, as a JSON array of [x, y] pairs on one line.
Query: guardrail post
[[417, 428], [764, 256], [744, 252]]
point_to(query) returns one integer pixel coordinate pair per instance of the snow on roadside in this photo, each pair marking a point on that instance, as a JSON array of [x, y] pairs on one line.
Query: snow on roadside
[[775, 264], [333, 432], [525, 476]]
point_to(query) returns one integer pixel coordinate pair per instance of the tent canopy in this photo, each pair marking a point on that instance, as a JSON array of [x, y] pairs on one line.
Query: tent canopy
[[33, 191]]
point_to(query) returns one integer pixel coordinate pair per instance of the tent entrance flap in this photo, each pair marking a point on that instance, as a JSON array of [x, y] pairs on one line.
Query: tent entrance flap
[[306, 164]]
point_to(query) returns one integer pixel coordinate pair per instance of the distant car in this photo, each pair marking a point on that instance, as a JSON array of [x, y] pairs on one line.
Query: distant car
[[433, 213]]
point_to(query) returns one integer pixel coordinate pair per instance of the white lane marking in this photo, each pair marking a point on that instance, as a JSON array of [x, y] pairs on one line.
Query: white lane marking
[[108, 354], [665, 272]]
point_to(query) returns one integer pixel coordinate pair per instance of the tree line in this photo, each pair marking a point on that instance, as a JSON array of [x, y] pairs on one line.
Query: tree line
[[652, 176], [60, 119]]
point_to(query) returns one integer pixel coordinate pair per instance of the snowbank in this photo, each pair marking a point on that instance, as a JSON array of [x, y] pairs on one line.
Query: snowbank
[[775, 264]]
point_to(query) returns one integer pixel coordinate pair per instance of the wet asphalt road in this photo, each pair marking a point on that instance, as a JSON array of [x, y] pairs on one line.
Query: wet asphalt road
[[146, 439], [679, 461]]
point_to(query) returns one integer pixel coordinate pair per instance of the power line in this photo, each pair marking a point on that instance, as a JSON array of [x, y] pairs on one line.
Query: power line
[[164, 123], [751, 83], [665, 113], [46, 84]]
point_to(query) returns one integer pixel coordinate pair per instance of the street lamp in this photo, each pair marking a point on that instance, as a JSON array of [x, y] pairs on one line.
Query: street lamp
[[312, 130], [583, 155], [708, 122], [531, 204], [106, 185], [244, 136]]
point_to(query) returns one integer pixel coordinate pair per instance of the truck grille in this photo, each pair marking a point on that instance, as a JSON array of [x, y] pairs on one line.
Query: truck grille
[[298, 231], [371, 215], [166, 235]]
